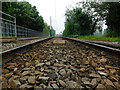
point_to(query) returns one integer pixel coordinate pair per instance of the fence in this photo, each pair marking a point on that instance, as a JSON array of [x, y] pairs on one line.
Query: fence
[[8, 31]]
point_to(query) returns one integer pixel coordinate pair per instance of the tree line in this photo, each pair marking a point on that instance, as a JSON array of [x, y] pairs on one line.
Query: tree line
[[26, 15], [47, 30], [87, 17]]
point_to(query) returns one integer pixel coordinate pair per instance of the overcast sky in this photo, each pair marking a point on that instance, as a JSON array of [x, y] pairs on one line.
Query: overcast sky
[[55, 9]]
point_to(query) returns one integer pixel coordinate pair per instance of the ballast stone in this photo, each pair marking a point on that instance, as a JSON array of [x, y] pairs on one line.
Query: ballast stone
[[59, 42]]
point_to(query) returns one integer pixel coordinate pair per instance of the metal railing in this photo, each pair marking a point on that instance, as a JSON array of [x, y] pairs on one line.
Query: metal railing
[[9, 29]]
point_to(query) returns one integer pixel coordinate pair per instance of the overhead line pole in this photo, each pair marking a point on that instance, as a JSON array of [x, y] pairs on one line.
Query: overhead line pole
[[50, 27]]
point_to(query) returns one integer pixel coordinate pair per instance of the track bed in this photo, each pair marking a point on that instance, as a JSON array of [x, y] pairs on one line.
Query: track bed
[[59, 64]]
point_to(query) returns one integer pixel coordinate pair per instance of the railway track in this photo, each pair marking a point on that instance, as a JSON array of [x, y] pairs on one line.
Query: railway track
[[114, 45], [112, 50], [7, 55], [60, 63]]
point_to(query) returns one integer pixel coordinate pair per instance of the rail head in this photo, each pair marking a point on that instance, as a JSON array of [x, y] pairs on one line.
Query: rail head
[[94, 44], [22, 46]]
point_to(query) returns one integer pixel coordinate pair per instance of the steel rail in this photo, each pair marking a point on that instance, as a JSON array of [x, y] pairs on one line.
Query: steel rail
[[117, 51], [9, 52], [106, 44]]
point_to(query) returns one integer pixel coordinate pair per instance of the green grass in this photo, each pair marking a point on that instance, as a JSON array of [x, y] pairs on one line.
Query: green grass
[[93, 37]]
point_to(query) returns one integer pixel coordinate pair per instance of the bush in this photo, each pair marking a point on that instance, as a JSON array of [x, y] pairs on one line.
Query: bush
[[74, 36]]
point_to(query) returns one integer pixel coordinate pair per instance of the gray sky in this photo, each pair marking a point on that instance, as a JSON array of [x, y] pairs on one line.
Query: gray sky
[[55, 9]]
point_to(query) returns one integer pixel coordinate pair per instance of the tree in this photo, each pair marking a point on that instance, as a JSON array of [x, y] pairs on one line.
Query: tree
[[77, 22], [113, 19], [46, 29], [25, 14], [97, 12], [101, 12]]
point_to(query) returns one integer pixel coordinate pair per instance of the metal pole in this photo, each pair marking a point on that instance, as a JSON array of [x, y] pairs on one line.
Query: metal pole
[[15, 30], [0, 44], [50, 27]]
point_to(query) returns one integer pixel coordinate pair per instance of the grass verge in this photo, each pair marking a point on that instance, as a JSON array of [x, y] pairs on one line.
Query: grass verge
[[93, 37]]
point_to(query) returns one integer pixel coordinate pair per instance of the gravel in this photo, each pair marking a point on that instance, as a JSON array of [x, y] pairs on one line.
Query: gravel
[[12, 44], [61, 66]]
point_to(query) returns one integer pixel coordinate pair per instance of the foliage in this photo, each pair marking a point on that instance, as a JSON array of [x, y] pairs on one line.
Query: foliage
[[74, 36], [113, 19], [77, 22], [104, 11], [46, 29], [99, 13], [53, 33], [93, 37], [25, 14]]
